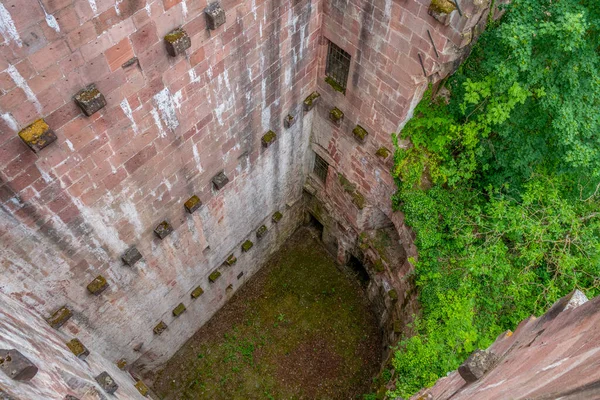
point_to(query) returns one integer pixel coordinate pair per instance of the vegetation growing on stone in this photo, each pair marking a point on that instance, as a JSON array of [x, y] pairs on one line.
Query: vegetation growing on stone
[[197, 292], [336, 114], [247, 245], [177, 311], [442, 6], [382, 152], [269, 138], [510, 222], [360, 133], [310, 100], [175, 35], [160, 328], [32, 133], [260, 232], [231, 260], [142, 388], [336, 86], [277, 217], [59, 318], [214, 276], [76, 347], [98, 285]]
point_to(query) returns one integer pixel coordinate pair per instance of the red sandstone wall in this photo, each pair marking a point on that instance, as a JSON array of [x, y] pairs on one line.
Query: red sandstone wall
[[171, 124]]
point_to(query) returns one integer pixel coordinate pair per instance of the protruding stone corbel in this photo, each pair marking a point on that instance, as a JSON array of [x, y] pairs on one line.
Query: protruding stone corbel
[[60, 317], [131, 256], [90, 100], [107, 383], [336, 116], [268, 138], [78, 349], [192, 204], [360, 133], [311, 101], [163, 230], [16, 365], [177, 42], [478, 363], [220, 180], [37, 135], [215, 15]]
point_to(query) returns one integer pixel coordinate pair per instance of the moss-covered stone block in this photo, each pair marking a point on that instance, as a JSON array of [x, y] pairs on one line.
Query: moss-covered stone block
[[78, 349], [177, 42], [98, 285], [142, 388], [122, 364], [220, 180], [131, 256], [289, 121], [268, 138], [37, 135], [311, 101], [277, 217], [215, 15], [336, 86], [107, 383], [360, 133], [359, 200], [441, 10], [60, 317], [197, 292], [90, 100], [260, 232], [336, 116], [383, 152], [393, 295], [180, 309], [163, 230], [192, 204], [160, 328], [247, 245], [231, 260], [214, 276]]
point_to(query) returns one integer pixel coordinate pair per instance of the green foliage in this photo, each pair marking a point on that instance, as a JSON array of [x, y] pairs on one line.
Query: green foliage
[[501, 186]]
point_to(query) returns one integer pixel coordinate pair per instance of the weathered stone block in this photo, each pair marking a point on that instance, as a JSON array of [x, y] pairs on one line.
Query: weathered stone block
[[360, 133], [240, 275], [441, 10], [197, 292], [163, 230], [268, 138], [336, 116], [215, 15], [90, 100], [131, 256], [107, 383], [160, 328], [177, 42], [383, 152], [69, 397], [59, 318], [122, 364], [247, 245], [98, 285], [220, 180], [277, 217], [193, 204], [260, 232], [289, 121], [214, 276], [311, 101], [478, 363], [142, 388], [78, 349], [393, 295], [37, 135], [397, 326], [180, 309], [16, 365], [231, 260]]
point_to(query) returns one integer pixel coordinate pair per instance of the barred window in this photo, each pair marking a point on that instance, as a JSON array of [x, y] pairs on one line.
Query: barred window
[[338, 67], [320, 168]]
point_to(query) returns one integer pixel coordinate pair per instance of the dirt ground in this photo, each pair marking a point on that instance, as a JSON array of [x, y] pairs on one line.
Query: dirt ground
[[299, 329]]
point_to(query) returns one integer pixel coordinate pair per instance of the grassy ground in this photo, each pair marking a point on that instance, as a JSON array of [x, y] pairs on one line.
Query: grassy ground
[[300, 329]]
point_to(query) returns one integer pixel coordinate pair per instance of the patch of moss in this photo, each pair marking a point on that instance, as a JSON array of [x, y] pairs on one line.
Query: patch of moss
[[89, 93], [231, 260], [336, 114], [360, 133], [247, 245], [122, 363], [393, 295], [261, 231], [269, 138], [76, 347], [378, 265], [277, 217], [310, 100], [31, 134], [214, 276], [142, 388], [359, 200], [160, 328], [175, 35], [383, 152], [197, 292], [192, 203], [61, 316], [98, 285], [442, 6], [180, 309], [336, 86]]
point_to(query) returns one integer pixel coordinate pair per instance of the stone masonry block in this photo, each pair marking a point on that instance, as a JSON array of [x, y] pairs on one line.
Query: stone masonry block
[[37, 135], [59, 318], [441, 10], [336, 116], [197, 292], [214, 276], [478, 363], [142, 388], [289, 121], [215, 15], [247, 245], [90, 100], [220, 180], [177, 42], [69, 397], [383, 152], [98, 285], [311, 101], [268, 138], [78, 349], [163, 230], [180, 309], [260, 232], [360, 133], [240, 275], [122, 364], [277, 217], [160, 328], [231, 260], [107, 383], [193, 204], [16, 365], [131, 256]]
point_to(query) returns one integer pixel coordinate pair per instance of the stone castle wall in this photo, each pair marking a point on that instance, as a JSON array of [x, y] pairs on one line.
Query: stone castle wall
[[171, 124]]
